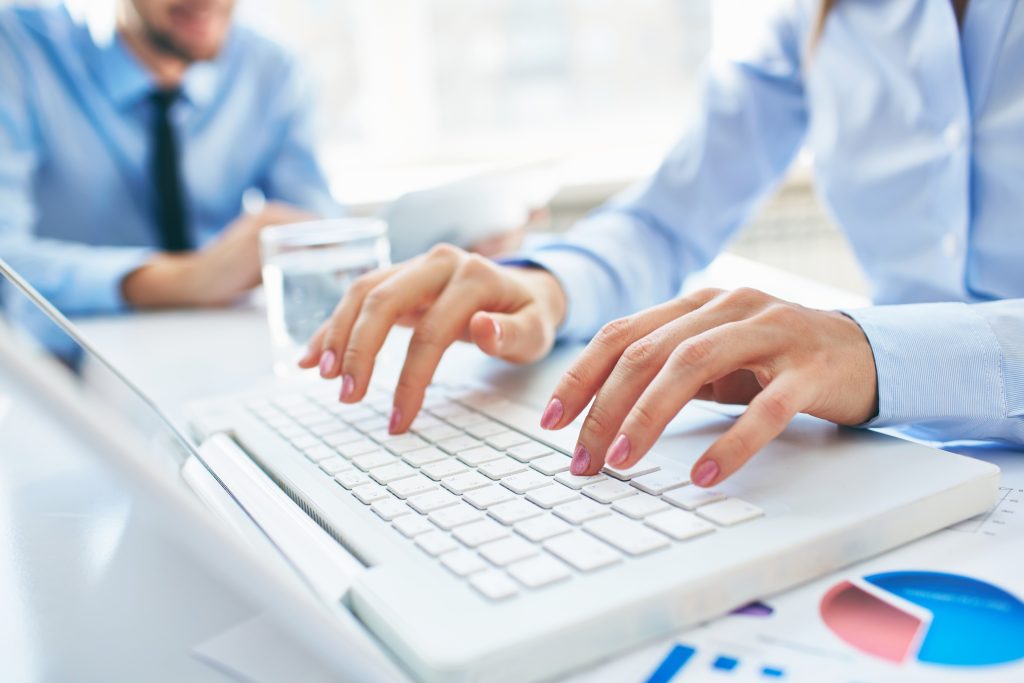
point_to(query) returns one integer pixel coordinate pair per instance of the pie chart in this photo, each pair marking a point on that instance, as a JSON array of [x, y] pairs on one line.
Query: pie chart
[[935, 618]]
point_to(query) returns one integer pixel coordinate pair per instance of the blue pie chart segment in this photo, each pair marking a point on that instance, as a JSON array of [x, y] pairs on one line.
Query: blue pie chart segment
[[973, 623]]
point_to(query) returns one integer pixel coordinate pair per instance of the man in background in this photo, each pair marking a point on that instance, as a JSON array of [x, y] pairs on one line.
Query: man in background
[[126, 148]]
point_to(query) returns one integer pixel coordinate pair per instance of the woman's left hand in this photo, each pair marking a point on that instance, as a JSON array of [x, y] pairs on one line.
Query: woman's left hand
[[732, 347]]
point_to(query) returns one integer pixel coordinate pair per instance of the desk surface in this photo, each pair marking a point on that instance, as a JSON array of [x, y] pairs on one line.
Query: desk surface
[[67, 533]]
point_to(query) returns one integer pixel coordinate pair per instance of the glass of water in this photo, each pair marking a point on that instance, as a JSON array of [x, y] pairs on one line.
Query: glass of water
[[307, 268]]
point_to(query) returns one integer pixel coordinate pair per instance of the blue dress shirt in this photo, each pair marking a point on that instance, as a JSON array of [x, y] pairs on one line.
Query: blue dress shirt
[[917, 133], [76, 200]]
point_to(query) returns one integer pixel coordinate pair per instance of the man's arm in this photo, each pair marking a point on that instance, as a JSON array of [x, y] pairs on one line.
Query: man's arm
[[634, 253], [949, 370]]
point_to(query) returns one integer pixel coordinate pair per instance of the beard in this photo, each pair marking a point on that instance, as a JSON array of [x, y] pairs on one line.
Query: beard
[[164, 42]]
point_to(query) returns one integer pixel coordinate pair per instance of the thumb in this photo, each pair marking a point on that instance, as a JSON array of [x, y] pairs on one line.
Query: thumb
[[520, 337]]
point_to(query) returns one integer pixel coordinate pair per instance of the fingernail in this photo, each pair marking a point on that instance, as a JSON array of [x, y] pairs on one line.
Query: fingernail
[[619, 451], [497, 330], [552, 414], [580, 460], [327, 362], [705, 473], [348, 386], [396, 417]]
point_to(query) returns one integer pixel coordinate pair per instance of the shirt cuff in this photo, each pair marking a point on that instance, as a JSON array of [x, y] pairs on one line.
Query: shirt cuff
[[938, 368], [95, 284], [584, 282]]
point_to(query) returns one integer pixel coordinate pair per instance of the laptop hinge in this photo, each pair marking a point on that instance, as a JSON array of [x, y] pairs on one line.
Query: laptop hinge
[[326, 565]]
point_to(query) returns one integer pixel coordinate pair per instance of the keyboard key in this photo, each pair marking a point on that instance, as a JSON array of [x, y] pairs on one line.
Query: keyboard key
[[529, 451], [443, 468], [508, 439], [551, 495], [609, 490], [477, 533], [304, 441], [541, 528], [346, 436], [658, 482], [318, 453], [357, 415], [463, 562], [424, 421], [370, 492], [466, 420], [487, 496], [637, 470], [456, 515], [355, 448], [426, 503], [678, 524], [729, 511], [392, 472], [465, 481], [459, 443], [436, 543], [439, 433], [291, 430], [484, 429], [478, 456], [507, 550], [525, 481], [335, 464], [494, 584], [390, 508], [412, 525], [373, 460], [371, 424], [411, 486], [328, 428], [408, 442], [640, 505], [449, 409], [692, 497], [424, 456], [513, 511], [628, 536], [551, 464], [351, 478], [576, 482], [538, 571], [581, 511], [496, 469], [583, 552]]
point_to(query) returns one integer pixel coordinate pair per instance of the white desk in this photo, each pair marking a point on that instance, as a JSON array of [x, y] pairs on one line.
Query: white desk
[[67, 535]]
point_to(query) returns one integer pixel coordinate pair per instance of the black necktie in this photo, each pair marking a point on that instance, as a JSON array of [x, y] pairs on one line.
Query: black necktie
[[169, 196]]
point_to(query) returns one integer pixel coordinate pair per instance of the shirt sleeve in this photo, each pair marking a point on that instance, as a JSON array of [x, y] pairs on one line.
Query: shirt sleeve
[[76, 278], [750, 121], [949, 371], [293, 173]]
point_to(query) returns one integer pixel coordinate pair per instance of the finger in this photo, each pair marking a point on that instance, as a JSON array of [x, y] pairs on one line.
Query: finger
[[406, 290], [314, 347], [691, 365], [636, 367], [768, 415], [519, 337], [586, 375]]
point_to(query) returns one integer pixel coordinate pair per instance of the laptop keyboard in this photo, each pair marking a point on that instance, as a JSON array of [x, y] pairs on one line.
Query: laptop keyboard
[[494, 505]]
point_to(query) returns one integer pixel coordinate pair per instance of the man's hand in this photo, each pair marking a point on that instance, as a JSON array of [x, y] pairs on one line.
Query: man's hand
[[214, 276], [445, 295], [732, 347]]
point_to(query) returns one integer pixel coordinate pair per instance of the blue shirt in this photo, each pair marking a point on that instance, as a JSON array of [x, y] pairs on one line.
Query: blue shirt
[[917, 134], [76, 200]]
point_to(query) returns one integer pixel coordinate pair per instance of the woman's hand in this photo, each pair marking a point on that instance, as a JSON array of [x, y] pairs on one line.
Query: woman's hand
[[445, 295], [733, 347]]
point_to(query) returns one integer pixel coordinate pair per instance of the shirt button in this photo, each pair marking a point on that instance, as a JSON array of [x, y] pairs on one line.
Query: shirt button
[[949, 244], [953, 135]]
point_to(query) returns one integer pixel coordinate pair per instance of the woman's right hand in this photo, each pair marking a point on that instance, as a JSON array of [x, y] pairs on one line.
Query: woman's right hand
[[446, 294]]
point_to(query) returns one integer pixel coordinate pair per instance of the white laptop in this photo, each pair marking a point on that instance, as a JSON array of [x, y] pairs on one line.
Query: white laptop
[[467, 551]]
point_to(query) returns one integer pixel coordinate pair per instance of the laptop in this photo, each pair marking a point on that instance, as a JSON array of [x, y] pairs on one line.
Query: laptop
[[465, 550]]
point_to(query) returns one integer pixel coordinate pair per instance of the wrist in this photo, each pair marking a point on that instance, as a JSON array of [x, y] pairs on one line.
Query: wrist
[[165, 281], [548, 293]]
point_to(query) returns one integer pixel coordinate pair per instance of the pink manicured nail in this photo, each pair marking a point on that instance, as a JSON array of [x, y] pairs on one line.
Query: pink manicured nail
[[580, 460], [619, 451], [327, 363], [396, 417], [552, 414], [348, 387], [705, 473], [497, 330]]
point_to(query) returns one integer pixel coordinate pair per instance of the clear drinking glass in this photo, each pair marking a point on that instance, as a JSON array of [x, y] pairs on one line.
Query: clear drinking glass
[[307, 268]]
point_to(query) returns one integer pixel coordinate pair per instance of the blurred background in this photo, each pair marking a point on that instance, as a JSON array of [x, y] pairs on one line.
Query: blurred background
[[418, 93]]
